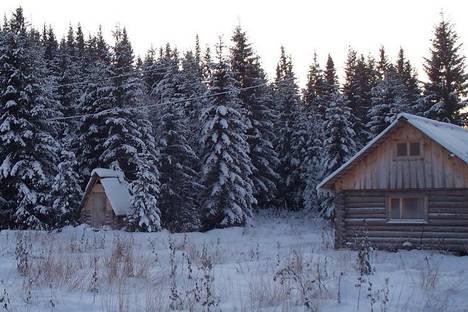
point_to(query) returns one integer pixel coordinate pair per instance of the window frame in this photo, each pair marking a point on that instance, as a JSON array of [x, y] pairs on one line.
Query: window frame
[[408, 150], [401, 197]]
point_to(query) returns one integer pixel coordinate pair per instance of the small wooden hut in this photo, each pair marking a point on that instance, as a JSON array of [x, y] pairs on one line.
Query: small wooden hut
[[106, 201], [407, 188]]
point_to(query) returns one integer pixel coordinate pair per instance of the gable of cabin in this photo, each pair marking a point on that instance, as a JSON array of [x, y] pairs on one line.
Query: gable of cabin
[[381, 168], [96, 209]]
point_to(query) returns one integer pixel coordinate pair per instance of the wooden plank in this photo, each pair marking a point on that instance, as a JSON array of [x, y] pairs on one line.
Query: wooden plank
[[405, 234], [432, 244], [370, 209], [448, 206], [374, 205], [436, 166], [428, 175], [457, 166], [351, 200], [366, 213], [453, 209], [466, 176], [409, 228], [339, 220], [448, 216]]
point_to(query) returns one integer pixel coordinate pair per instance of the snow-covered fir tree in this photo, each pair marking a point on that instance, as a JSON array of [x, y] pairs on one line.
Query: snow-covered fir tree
[[339, 142], [207, 63], [323, 85], [28, 150], [66, 190], [313, 94], [389, 98], [180, 182], [192, 88], [382, 64], [130, 135], [291, 140], [256, 105], [359, 80], [145, 215], [447, 83], [227, 197], [70, 87], [123, 120], [330, 78], [94, 103], [313, 171], [410, 78]]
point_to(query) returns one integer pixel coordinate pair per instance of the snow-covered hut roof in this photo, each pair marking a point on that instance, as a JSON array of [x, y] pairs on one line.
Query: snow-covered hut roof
[[451, 137], [115, 187]]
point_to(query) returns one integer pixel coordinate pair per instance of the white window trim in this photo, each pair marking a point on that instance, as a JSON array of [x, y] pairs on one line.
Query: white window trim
[[400, 197]]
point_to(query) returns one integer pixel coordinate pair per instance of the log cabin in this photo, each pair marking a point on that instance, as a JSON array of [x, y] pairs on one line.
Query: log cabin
[[407, 188], [106, 200]]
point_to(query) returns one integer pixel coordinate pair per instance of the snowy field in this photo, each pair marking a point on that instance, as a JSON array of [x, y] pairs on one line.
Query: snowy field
[[282, 263]]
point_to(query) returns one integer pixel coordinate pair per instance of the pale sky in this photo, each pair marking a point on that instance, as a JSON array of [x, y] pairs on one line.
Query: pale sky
[[327, 26]]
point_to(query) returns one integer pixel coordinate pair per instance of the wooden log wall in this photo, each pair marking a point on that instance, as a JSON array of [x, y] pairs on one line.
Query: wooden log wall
[[110, 219], [365, 215]]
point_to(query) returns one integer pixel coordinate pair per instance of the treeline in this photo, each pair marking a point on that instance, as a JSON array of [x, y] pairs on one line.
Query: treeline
[[203, 137]]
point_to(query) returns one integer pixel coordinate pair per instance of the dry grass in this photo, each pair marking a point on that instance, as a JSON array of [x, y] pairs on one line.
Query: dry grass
[[429, 273]]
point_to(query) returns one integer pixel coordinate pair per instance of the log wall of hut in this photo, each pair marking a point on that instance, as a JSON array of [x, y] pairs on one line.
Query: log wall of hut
[[364, 214], [97, 210]]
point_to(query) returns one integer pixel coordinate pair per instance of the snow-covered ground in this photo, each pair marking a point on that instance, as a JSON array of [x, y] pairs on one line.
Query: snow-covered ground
[[283, 263]]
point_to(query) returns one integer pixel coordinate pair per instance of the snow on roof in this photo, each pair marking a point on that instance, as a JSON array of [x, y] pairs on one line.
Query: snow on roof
[[453, 138], [107, 173], [116, 189]]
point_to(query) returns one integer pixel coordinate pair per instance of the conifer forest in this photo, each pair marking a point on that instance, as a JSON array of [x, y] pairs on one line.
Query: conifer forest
[[203, 136], [206, 174]]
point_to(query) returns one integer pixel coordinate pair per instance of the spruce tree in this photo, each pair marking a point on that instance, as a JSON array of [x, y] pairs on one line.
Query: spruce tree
[[227, 198], [315, 156], [382, 64], [331, 78], [69, 86], [291, 137], [255, 103], [28, 150], [409, 76], [339, 142], [447, 83], [94, 103], [129, 144], [145, 214], [192, 88], [180, 183], [359, 81], [389, 98], [123, 120], [314, 93], [66, 190], [150, 72]]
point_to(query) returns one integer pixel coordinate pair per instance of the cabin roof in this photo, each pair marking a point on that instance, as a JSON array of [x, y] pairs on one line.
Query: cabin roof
[[451, 137], [115, 188]]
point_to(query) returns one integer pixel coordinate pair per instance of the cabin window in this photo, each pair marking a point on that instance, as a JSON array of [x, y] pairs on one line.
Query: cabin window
[[408, 149], [402, 149], [415, 149], [407, 208]]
